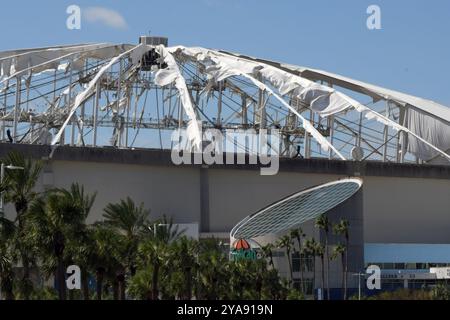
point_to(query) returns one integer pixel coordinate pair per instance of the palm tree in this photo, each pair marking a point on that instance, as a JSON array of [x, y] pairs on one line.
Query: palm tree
[[339, 251], [153, 249], [319, 251], [80, 247], [297, 234], [286, 243], [82, 250], [7, 257], [310, 250], [162, 230], [128, 221], [324, 224], [54, 219], [155, 253], [19, 190], [342, 228], [214, 272], [246, 279], [268, 254], [184, 256], [107, 258], [126, 217], [272, 287]]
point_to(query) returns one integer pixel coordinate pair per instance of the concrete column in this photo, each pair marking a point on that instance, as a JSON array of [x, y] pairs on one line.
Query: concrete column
[[204, 200]]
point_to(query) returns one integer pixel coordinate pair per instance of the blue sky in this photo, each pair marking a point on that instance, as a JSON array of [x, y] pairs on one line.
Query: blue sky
[[411, 52]]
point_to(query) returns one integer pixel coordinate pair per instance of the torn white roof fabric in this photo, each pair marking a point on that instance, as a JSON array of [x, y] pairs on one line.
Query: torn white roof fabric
[[426, 124], [321, 99], [172, 74], [15, 62], [82, 96]]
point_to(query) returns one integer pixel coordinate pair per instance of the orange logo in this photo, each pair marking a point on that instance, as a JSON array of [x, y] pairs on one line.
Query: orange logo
[[241, 244], [245, 249]]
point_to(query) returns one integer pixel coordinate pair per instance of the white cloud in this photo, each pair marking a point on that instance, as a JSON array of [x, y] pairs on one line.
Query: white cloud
[[106, 16]]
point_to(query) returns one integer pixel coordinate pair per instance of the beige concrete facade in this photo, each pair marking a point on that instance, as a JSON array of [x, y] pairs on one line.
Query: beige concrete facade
[[402, 203]]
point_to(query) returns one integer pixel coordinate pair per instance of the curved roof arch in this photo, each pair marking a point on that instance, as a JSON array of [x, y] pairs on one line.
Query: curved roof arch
[[374, 91], [296, 209], [44, 90]]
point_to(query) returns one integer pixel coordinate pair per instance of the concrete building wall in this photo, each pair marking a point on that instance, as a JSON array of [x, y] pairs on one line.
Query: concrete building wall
[[406, 210], [234, 194], [402, 203], [396, 210], [170, 191]]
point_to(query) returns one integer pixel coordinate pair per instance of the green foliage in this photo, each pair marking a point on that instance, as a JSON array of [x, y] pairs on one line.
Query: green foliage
[[45, 293], [19, 184], [129, 253], [342, 228], [338, 251], [323, 223], [186, 269], [440, 292], [126, 217], [139, 286], [295, 294], [403, 294], [126, 253], [18, 187]]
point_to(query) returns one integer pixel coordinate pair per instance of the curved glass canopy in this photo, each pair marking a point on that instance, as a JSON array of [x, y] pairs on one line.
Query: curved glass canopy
[[296, 209]]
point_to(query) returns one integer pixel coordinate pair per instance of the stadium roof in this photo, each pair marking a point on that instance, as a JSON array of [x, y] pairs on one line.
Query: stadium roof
[[294, 95], [376, 92]]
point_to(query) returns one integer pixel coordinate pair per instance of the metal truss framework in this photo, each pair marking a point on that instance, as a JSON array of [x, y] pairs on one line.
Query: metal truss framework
[[121, 105]]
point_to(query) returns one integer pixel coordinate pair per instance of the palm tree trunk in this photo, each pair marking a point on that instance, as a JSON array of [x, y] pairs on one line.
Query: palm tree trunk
[[26, 290], [7, 287], [155, 274], [21, 208], [122, 289], [188, 294], [314, 273], [343, 274], [288, 252], [301, 264], [99, 280], [323, 274], [346, 269], [85, 285], [328, 265], [9, 295], [61, 279], [121, 283], [115, 286]]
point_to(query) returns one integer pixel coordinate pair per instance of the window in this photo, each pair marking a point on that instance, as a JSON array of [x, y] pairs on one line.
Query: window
[[421, 266], [388, 266], [306, 261], [308, 285], [392, 284], [411, 266], [295, 264]]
